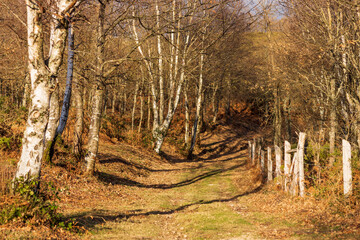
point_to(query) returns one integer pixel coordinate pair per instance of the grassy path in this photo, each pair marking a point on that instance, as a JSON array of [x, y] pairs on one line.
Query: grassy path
[[217, 196], [170, 198]]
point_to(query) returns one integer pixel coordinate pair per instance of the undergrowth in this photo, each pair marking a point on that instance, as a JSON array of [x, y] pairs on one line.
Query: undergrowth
[[32, 205], [325, 183]]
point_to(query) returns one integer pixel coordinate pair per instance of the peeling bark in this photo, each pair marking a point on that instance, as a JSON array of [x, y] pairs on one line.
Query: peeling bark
[[42, 84]]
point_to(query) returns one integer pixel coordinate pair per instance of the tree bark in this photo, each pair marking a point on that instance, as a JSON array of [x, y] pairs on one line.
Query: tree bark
[[69, 77], [187, 119], [134, 106], [198, 106], [269, 165], [332, 132], [161, 79], [42, 82], [94, 129], [54, 111], [79, 116], [277, 117]]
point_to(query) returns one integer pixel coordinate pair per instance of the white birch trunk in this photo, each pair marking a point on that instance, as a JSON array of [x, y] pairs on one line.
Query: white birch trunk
[[187, 119], [269, 165], [141, 102], [300, 151], [160, 133], [253, 152], [134, 106], [250, 150], [54, 116], [42, 78], [149, 111], [278, 161], [347, 174], [151, 75], [198, 106], [161, 79], [69, 77], [287, 164], [94, 129], [79, 115]]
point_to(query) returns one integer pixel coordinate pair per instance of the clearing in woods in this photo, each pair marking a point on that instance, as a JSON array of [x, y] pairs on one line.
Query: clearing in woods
[[216, 196]]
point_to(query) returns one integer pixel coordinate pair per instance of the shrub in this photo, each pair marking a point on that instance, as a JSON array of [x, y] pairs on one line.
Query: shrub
[[33, 206]]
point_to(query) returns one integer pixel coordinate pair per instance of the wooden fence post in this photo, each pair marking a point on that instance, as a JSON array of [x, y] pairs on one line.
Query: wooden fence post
[[347, 175], [287, 164], [295, 173], [278, 161], [301, 146], [269, 165]]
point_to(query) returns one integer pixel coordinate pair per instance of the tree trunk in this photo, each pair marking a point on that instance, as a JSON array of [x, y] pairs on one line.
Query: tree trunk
[[277, 117], [269, 165], [54, 116], [42, 82], [98, 97], [215, 103], [141, 111], [113, 102], [228, 99], [79, 115], [161, 79], [69, 77], [134, 106], [287, 118], [198, 107], [149, 110], [187, 119], [332, 133]]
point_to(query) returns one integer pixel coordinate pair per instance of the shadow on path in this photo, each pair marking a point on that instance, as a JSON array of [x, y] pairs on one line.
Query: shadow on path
[[92, 218], [115, 180]]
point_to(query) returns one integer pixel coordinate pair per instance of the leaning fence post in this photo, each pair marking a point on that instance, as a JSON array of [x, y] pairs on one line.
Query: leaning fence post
[[278, 161], [347, 175], [287, 163], [301, 163], [269, 163]]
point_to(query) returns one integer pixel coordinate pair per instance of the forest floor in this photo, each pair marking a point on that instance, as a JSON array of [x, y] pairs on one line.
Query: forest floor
[[217, 195]]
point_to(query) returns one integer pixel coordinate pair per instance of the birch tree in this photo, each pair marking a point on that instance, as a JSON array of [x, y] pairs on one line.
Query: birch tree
[[42, 74]]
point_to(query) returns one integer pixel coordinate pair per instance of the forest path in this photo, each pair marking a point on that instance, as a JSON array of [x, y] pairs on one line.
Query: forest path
[[216, 196]]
